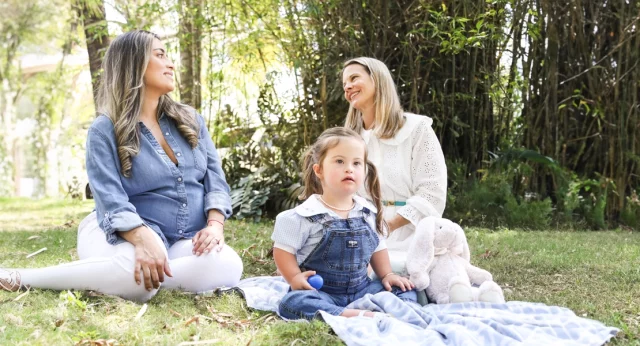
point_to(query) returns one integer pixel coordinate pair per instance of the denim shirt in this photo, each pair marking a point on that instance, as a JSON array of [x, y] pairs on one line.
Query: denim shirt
[[171, 200]]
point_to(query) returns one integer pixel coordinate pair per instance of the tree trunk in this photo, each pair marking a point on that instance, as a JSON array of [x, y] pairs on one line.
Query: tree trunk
[[91, 14], [190, 52]]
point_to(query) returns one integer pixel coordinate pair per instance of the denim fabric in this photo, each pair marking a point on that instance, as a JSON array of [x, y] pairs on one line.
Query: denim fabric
[[295, 233], [341, 258], [172, 200], [306, 303]]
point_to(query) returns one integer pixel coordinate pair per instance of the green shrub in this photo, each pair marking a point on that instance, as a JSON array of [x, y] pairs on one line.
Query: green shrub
[[630, 214], [528, 215], [262, 165], [489, 202], [479, 202]]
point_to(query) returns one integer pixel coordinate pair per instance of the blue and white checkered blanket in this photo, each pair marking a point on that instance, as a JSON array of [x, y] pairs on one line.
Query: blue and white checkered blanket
[[512, 323]]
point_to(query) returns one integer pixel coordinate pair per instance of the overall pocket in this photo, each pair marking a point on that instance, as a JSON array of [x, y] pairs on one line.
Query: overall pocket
[[348, 250]]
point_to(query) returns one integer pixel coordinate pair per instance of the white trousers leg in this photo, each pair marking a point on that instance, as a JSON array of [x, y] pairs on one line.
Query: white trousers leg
[[202, 273], [109, 268]]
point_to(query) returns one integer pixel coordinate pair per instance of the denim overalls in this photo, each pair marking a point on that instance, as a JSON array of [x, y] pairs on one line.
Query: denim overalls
[[341, 258]]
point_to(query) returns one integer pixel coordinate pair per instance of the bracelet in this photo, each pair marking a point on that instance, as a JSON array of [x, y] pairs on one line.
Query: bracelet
[[214, 220], [390, 273]]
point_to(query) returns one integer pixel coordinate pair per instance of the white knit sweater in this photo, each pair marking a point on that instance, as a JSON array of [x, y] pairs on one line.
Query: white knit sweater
[[411, 169]]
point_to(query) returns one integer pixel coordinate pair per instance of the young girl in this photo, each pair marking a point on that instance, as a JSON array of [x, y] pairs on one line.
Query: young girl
[[334, 233]]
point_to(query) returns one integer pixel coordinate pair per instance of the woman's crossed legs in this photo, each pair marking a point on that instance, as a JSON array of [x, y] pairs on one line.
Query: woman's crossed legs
[[109, 268]]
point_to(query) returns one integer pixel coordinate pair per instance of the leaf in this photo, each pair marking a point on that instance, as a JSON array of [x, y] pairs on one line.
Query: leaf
[[193, 319], [488, 254], [141, 312]]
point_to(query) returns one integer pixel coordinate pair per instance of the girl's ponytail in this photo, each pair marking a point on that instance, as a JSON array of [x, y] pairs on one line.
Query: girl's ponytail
[[373, 188], [309, 179]]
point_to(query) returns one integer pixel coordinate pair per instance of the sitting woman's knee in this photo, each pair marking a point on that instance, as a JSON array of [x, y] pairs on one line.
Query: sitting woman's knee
[[226, 263], [138, 294], [126, 287]]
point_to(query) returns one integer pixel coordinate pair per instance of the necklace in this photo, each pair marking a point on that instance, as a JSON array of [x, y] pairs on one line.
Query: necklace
[[334, 208]]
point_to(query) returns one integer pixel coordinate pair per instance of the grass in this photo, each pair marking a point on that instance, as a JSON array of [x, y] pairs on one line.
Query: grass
[[596, 274]]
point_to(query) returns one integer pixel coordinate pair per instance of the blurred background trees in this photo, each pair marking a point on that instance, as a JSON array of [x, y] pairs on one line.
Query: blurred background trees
[[535, 102]]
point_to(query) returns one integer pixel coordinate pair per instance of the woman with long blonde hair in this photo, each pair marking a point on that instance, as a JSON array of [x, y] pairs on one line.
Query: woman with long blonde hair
[[402, 146], [160, 192]]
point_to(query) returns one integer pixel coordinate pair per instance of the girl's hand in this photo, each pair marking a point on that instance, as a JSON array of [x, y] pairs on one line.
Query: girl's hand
[[299, 282], [208, 238], [396, 280]]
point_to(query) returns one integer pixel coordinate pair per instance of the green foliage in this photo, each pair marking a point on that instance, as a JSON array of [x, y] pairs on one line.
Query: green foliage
[[513, 157], [292, 333], [264, 167], [250, 194], [586, 200], [630, 215], [528, 215], [454, 32], [502, 196], [489, 202], [73, 300]]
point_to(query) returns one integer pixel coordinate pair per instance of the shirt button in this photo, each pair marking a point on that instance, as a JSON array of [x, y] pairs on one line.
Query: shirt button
[[106, 214], [178, 154], [184, 205], [179, 179], [180, 231], [167, 133]]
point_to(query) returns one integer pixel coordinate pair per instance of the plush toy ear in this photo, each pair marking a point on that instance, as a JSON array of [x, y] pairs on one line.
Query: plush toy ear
[[466, 254], [429, 236], [421, 252]]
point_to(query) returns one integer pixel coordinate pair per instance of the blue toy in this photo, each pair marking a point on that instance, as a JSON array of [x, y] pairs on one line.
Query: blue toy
[[316, 281]]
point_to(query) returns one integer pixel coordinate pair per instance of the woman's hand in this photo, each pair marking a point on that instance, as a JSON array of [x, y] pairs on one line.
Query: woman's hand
[[390, 225], [299, 282], [208, 238], [396, 222], [396, 280], [150, 257]]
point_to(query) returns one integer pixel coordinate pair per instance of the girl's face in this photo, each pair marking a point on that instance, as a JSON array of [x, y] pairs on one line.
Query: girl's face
[[358, 86], [158, 78], [342, 170]]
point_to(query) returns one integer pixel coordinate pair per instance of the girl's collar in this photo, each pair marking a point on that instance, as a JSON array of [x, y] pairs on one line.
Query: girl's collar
[[312, 206]]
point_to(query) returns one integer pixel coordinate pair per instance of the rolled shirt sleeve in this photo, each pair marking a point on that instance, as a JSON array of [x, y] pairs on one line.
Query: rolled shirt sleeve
[[217, 192], [114, 212], [428, 177]]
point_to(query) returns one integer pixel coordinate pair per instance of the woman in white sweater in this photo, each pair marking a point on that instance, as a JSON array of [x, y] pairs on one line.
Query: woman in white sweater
[[404, 148]]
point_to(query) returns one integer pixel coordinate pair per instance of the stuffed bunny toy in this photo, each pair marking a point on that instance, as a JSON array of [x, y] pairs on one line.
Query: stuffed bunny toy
[[439, 260]]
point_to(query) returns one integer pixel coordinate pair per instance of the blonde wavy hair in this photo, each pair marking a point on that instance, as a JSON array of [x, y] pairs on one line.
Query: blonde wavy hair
[[121, 93], [389, 116]]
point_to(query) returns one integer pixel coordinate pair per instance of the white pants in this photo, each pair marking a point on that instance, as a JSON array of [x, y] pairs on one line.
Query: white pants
[[109, 268]]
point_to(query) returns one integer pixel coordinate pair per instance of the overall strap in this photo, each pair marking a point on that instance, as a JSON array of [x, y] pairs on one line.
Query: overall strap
[[318, 218]]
